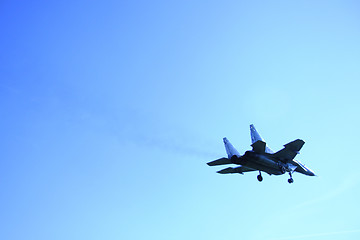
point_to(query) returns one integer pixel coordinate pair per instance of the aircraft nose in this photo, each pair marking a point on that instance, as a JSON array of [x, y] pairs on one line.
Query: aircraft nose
[[311, 173]]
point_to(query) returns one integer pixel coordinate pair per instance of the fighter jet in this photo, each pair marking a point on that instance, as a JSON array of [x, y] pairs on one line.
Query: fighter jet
[[261, 158]]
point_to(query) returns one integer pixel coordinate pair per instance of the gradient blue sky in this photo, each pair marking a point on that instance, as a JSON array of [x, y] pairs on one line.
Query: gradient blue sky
[[111, 109]]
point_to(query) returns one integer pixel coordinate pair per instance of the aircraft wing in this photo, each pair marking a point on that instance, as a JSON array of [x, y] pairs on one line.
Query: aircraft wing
[[240, 170], [289, 151], [220, 161]]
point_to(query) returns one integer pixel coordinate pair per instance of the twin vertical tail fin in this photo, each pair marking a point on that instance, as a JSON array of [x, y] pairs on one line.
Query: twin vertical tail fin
[[255, 136], [230, 149]]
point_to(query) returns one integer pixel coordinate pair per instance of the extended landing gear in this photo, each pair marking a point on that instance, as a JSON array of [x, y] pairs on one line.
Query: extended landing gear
[[290, 180], [259, 177]]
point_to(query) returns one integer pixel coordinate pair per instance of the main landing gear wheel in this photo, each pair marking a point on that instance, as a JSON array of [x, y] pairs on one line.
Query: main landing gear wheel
[[259, 177]]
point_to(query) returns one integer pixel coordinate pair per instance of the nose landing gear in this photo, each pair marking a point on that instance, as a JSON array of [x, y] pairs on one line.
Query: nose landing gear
[[259, 177], [290, 180]]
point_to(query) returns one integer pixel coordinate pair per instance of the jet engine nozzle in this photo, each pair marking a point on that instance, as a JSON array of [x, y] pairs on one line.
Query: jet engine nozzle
[[234, 159], [238, 160]]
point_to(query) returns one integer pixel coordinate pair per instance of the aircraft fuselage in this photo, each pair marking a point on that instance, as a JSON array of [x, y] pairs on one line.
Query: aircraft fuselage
[[263, 162]]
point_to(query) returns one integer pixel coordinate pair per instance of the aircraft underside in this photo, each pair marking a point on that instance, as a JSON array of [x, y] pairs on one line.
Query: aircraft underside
[[263, 163], [261, 158]]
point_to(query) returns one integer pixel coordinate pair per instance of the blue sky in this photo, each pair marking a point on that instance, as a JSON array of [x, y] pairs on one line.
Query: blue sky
[[111, 109]]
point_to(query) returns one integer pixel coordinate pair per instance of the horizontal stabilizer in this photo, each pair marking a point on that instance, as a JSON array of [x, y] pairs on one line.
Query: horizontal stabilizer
[[290, 151], [229, 170], [220, 161], [240, 170], [259, 146], [295, 145]]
